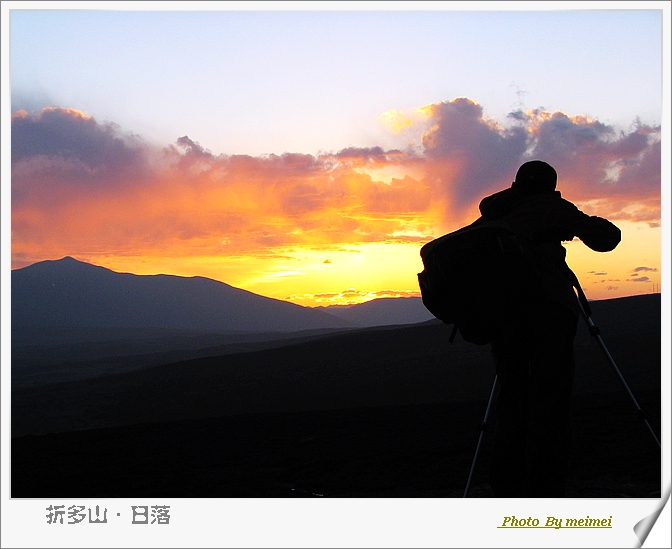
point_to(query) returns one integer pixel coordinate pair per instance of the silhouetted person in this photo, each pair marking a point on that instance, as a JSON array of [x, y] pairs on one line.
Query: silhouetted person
[[533, 342]]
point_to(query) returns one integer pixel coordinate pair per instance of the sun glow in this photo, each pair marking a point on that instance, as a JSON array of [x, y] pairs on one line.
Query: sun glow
[[396, 121], [309, 277], [350, 274], [632, 268], [387, 173], [355, 273]]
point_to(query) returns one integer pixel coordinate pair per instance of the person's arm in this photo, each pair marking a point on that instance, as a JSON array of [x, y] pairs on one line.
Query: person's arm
[[595, 232], [598, 233]]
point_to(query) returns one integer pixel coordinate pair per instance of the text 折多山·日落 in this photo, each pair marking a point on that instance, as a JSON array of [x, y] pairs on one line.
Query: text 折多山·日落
[[555, 522]]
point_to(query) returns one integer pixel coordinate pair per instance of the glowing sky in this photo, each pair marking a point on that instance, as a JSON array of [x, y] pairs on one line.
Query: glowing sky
[[307, 155]]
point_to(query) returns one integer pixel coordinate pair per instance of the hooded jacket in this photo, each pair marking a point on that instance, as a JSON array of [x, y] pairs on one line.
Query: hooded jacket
[[546, 219]]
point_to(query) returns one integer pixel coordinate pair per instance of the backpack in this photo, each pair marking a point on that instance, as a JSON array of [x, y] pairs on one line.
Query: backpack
[[473, 274]]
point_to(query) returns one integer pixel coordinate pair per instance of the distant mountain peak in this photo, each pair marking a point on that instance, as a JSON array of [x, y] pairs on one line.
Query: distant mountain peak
[[67, 264], [64, 260], [72, 293]]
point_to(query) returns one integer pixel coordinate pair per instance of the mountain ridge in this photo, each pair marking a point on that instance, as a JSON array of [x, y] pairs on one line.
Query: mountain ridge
[[72, 293], [382, 311]]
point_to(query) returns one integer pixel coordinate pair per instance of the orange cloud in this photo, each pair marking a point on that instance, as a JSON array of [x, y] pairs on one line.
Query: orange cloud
[[186, 201], [80, 187]]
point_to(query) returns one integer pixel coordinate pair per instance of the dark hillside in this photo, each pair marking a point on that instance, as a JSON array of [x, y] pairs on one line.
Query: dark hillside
[[372, 367], [70, 293], [377, 412]]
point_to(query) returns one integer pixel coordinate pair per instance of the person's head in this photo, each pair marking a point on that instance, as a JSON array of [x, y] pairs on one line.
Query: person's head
[[536, 177]]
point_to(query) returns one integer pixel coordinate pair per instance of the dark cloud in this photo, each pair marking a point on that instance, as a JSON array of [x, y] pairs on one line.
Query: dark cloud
[[192, 148], [595, 162], [645, 269], [473, 155], [269, 168], [294, 164], [361, 154], [67, 150], [72, 134], [641, 170], [560, 137]]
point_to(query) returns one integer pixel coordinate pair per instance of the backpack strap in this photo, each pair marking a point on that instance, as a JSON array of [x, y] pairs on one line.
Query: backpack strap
[[453, 333]]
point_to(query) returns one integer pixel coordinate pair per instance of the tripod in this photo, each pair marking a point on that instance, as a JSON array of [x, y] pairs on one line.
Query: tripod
[[594, 331]]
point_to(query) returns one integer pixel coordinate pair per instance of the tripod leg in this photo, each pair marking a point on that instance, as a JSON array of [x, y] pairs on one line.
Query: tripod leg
[[595, 332], [483, 427]]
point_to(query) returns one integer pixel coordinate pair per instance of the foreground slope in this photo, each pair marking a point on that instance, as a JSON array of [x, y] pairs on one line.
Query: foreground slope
[[389, 412]]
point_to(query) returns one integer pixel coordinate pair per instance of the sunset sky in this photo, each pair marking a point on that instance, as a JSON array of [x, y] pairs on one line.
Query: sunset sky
[[307, 154]]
